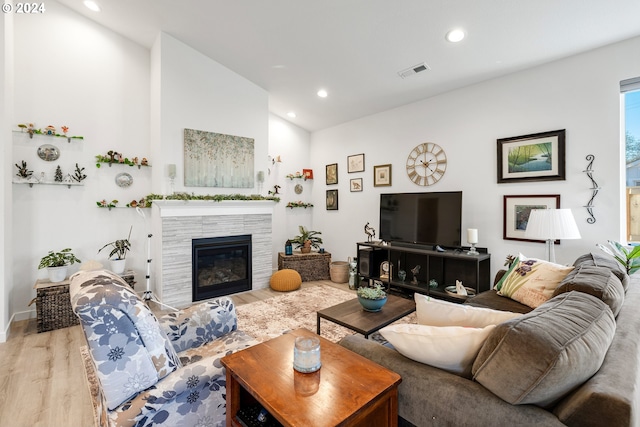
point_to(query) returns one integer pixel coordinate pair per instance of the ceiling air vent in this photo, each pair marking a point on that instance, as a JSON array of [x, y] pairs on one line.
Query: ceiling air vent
[[413, 70]]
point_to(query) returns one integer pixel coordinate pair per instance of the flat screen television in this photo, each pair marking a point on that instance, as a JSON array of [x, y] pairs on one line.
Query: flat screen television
[[422, 218]]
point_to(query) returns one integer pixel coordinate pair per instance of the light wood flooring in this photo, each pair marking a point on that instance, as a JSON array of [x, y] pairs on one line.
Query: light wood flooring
[[42, 381]]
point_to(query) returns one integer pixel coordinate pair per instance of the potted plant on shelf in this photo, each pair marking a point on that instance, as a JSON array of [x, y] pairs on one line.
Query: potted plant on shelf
[[56, 264], [306, 240], [372, 298], [119, 250]]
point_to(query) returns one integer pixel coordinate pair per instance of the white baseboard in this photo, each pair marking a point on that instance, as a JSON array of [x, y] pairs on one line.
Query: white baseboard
[[22, 315]]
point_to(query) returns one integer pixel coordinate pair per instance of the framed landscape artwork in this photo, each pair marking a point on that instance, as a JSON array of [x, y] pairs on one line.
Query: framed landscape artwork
[[332, 200], [355, 163], [332, 174], [355, 185], [535, 157], [517, 210], [382, 176]]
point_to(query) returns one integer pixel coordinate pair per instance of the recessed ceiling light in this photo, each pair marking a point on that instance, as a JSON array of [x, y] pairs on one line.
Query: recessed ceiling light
[[455, 35], [291, 114], [322, 93], [91, 5]]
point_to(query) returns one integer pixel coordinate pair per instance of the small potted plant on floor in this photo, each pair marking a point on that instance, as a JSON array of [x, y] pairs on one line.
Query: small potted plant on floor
[[372, 298], [306, 240], [119, 250], [56, 264]]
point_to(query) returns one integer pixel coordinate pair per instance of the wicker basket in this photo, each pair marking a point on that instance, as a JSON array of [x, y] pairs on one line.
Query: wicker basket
[[339, 271], [53, 308]]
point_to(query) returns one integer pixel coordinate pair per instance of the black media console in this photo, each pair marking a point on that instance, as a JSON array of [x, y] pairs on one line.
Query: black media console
[[443, 267]]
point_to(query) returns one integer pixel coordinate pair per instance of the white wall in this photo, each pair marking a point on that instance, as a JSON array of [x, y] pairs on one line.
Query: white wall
[[70, 71], [6, 95], [291, 143], [195, 92], [579, 94]]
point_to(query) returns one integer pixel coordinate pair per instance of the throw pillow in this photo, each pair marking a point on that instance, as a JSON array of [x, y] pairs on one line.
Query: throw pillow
[[541, 356], [451, 348], [533, 281], [435, 312], [513, 265]]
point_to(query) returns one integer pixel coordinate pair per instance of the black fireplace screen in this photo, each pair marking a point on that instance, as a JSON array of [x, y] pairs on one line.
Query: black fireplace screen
[[221, 266]]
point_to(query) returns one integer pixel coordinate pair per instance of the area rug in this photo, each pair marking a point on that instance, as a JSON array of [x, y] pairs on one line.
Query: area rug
[[272, 317]]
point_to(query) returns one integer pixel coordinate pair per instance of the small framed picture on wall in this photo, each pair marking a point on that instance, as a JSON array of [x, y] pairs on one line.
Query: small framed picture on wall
[[307, 173], [332, 200], [355, 185], [517, 210], [355, 163], [382, 176], [332, 174]]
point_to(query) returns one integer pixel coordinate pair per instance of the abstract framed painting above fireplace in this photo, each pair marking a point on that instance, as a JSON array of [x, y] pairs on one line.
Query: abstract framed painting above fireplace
[[221, 266]]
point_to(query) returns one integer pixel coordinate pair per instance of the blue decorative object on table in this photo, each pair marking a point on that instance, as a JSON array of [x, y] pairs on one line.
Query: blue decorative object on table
[[372, 304]]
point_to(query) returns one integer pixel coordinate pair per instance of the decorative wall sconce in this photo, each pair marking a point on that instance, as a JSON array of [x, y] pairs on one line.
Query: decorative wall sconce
[[274, 160], [171, 173], [594, 189]]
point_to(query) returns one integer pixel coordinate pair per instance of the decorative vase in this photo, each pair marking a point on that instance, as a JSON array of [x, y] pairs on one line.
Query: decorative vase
[[57, 274], [118, 265], [372, 304]]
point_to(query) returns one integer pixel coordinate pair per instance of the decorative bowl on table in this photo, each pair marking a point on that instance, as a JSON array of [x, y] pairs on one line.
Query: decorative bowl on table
[[451, 290], [372, 304]]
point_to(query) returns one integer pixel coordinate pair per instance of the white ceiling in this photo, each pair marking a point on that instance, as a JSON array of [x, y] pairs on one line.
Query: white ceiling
[[355, 48]]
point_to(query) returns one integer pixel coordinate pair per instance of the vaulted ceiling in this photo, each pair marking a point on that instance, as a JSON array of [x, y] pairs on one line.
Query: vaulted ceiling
[[354, 49]]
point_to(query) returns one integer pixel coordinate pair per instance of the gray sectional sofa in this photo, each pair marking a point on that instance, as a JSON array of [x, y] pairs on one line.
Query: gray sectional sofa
[[537, 369]]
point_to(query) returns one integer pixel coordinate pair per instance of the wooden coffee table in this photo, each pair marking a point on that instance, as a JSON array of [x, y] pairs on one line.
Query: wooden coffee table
[[348, 390], [350, 314]]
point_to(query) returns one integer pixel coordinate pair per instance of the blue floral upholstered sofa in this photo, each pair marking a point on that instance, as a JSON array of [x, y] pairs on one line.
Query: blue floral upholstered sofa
[[151, 371]]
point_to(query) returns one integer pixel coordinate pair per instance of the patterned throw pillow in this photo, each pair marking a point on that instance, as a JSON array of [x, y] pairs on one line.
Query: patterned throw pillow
[[505, 275], [532, 281]]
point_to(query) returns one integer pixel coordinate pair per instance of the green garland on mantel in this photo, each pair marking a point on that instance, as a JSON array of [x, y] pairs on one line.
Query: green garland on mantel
[[211, 197]]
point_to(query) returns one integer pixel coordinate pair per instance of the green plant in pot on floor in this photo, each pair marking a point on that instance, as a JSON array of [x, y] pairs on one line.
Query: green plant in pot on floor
[[306, 240], [627, 256], [372, 298], [56, 264], [119, 249]]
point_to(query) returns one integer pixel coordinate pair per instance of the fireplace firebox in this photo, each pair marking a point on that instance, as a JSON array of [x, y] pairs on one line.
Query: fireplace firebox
[[221, 266]]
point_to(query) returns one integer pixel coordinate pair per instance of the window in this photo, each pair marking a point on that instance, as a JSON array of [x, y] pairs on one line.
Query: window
[[630, 90]]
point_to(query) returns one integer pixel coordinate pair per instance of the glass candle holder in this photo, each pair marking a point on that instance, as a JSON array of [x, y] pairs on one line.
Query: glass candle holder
[[306, 354]]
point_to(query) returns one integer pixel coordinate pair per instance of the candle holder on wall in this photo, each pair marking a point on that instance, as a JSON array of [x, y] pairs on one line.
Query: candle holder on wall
[[594, 189]]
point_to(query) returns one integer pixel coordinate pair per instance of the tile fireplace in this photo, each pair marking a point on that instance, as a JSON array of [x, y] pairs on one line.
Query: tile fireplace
[[176, 224]]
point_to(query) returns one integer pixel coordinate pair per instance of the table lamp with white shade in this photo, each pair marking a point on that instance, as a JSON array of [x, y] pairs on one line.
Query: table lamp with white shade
[[551, 225]]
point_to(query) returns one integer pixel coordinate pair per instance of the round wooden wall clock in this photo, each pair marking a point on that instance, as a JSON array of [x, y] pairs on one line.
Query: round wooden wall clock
[[426, 164]]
